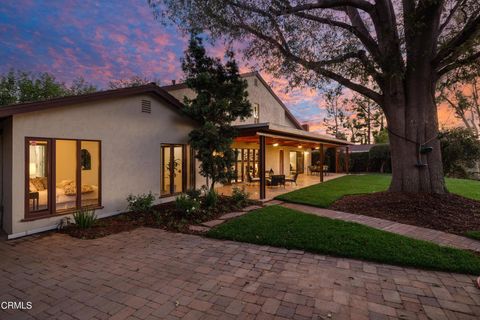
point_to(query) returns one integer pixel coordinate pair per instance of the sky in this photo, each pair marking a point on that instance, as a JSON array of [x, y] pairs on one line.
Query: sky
[[108, 40]]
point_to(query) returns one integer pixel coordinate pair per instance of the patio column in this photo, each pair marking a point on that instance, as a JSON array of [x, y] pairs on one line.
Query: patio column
[[261, 160], [347, 159], [322, 161], [337, 162]]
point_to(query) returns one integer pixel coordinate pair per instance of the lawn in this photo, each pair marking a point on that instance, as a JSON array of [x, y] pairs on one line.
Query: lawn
[[324, 194], [282, 227]]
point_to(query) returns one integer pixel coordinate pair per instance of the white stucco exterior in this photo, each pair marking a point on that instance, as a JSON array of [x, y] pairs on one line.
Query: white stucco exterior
[[258, 93], [130, 149]]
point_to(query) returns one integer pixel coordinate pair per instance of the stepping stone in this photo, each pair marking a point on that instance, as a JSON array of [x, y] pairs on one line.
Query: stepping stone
[[251, 208], [212, 223], [273, 203], [198, 228], [232, 215]]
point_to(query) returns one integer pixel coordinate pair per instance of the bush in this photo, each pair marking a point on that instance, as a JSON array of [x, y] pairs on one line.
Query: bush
[[185, 205], [240, 196], [358, 162], [211, 199], [141, 202], [84, 218], [380, 159], [460, 151], [194, 193]]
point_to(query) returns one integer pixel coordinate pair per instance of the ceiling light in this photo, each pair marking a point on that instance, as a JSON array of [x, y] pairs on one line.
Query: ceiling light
[[275, 144], [300, 147]]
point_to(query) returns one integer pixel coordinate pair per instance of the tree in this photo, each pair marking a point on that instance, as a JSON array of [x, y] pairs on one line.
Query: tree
[[21, 86], [464, 98], [461, 150], [391, 51], [381, 137], [221, 98], [366, 121], [335, 120]]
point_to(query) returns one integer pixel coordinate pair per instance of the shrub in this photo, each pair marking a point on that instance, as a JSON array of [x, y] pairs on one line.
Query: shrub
[[240, 196], [358, 162], [84, 218], [460, 150], [194, 193], [380, 159], [185, 205], [211, 199], [141, 202]]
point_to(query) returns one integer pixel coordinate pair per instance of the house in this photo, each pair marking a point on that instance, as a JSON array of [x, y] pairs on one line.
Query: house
[[94, 150]]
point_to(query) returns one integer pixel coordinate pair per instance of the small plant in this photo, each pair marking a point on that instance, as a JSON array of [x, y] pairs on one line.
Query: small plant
[[211, 199], [186, 205], [140, 203], [240, 196], [194, 193], [84, 218]]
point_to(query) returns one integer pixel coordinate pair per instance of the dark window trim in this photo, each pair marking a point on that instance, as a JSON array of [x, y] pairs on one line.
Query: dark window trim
[[51, 172], [172, 168]]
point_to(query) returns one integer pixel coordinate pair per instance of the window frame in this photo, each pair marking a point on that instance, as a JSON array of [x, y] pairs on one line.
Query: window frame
[[171, 173], [51, 170], [256, 114]]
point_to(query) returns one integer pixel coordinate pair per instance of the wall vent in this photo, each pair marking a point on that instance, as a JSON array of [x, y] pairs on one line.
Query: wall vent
[[146, 106], [255, 82]]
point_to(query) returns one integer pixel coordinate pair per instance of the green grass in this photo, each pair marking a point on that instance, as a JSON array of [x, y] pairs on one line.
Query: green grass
[[324, 194], [473, 234], [282, 227]]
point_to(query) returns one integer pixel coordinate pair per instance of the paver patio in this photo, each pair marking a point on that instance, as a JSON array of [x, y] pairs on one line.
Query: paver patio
[[436, 236], [153, 274]]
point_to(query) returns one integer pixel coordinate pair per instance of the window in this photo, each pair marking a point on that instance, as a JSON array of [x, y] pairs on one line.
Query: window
[[62, 175], [256, 113], [174, 175]]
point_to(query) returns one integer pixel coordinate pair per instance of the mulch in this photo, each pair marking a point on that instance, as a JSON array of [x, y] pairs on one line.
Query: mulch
[[448, 212], [170, 220]]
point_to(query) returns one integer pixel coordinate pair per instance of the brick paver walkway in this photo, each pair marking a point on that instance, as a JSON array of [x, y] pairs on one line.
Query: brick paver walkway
[[153, 274], [439, 237]]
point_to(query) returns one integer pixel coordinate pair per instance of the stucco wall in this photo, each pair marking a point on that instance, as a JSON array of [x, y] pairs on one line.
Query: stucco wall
[[270, 110], [130, 148]]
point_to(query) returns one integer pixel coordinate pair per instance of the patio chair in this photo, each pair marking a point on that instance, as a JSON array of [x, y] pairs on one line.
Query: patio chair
[[276, 180], [292, 179], [251, 180]]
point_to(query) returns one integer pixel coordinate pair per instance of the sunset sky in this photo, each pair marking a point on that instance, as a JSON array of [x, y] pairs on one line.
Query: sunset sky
[[108, 40]]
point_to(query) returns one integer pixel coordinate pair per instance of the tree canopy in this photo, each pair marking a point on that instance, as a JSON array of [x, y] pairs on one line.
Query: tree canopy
[[221, 98], [21, 86]]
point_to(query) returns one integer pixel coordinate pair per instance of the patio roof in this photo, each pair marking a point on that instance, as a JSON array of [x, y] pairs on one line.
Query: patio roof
[[275, 131]]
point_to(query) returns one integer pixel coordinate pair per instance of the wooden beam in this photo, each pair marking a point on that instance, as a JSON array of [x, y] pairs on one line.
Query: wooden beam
[[261, 158], [337, 162], [322, 162], [347, 160]]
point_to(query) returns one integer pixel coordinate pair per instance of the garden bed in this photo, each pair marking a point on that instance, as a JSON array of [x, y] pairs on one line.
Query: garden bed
[[164, 216], [448, 212]]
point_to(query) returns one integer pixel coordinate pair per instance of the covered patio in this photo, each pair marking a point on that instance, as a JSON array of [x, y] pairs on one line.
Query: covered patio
[[273, 159]]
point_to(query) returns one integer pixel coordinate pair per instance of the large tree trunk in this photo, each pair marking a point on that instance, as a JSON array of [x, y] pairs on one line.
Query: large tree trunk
[[413, 126]]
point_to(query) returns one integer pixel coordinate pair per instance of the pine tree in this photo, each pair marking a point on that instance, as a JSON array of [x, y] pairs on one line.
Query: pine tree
[[221, 98]]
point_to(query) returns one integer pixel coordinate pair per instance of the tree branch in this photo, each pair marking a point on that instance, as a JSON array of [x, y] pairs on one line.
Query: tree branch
[[316, 66], [450, 15], [454, 46], [365, 38], [459, 63], [328, 4]]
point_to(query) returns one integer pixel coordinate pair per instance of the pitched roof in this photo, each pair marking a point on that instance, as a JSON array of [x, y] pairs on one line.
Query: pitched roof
[[271, 128], [290, 116], [151, 88]]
